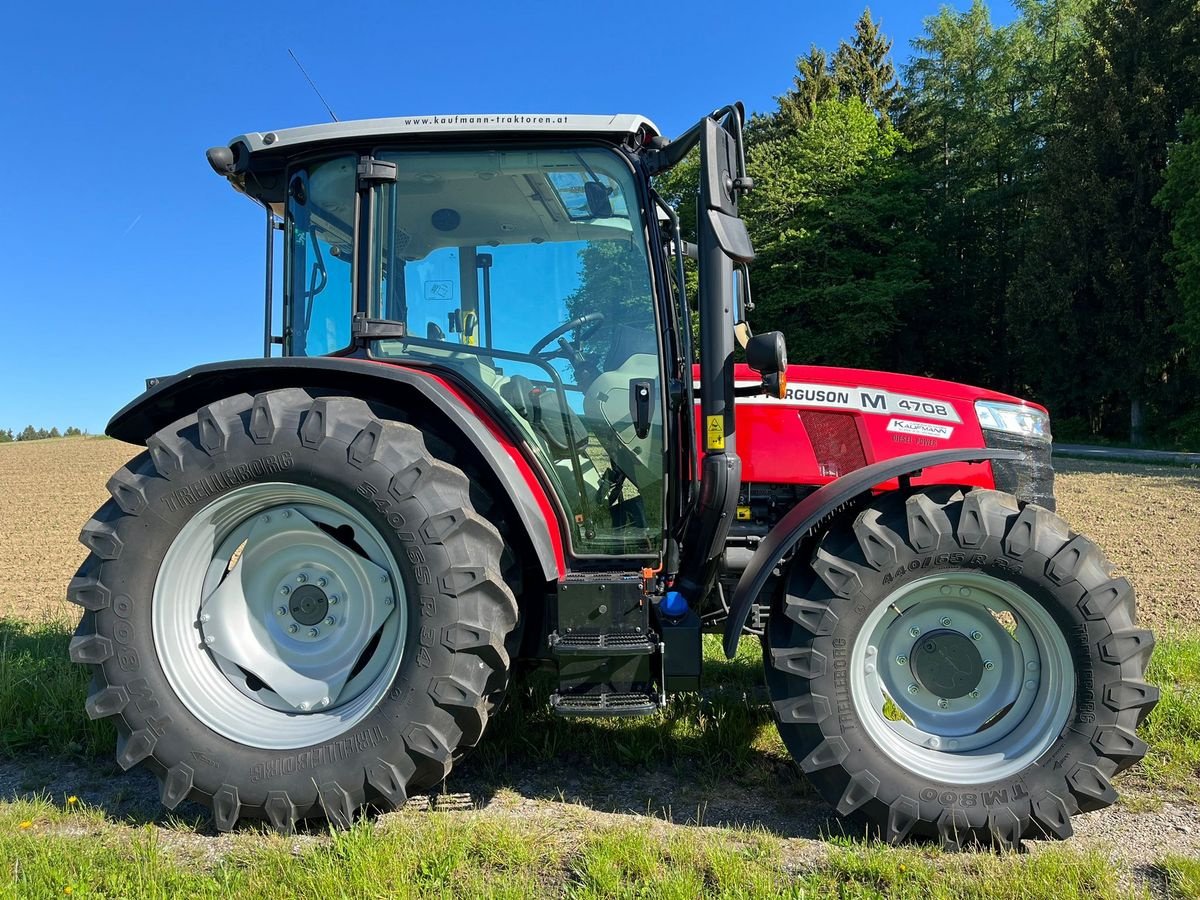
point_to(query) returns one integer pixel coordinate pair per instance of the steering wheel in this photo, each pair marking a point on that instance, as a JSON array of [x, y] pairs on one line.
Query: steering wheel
[[577, 325]]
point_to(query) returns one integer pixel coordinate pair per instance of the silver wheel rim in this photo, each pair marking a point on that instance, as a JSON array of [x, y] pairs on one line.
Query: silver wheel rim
[[279, 616], [962, 678]]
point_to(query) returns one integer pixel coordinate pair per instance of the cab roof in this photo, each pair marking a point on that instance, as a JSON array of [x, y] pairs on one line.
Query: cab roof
[[616, 127]]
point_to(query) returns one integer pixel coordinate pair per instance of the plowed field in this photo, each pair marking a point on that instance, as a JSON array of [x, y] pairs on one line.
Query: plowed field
[[1146, 518]]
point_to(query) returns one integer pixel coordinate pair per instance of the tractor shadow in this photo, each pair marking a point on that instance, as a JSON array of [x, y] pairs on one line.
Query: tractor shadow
[[711, 758]]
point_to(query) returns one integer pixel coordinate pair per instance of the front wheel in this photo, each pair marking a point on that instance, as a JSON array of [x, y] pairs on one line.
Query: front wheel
[[959, 665], [292, 610]]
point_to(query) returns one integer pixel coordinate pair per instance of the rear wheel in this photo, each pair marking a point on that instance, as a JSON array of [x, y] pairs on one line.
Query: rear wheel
[[292, 610], [960, 666]]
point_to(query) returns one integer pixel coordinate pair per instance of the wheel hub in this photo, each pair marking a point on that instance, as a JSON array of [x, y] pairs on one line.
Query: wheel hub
[[947, 664], [309, 605]]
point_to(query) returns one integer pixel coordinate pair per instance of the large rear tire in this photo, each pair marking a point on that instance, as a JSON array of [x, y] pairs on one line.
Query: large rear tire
[[292, 610], [959, 666]]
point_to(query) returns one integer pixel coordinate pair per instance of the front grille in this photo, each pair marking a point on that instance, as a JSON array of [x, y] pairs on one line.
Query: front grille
[[835, 440], [1030, 479]]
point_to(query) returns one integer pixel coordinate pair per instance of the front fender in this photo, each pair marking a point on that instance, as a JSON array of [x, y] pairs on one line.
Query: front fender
[[180, 395], [813, 508]]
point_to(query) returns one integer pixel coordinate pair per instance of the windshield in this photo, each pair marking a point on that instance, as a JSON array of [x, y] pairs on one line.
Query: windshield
[[526, 272]]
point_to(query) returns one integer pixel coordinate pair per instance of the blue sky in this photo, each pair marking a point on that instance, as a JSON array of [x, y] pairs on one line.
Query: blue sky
[[127, 257]]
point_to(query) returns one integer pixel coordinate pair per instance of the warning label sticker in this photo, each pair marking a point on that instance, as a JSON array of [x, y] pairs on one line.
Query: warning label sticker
[[715, 433]]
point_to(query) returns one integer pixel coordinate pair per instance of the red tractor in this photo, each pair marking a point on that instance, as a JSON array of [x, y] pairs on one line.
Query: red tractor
[[486, 442]]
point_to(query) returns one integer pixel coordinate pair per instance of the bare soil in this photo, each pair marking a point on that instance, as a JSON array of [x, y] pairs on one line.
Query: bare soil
[[1146, 518]]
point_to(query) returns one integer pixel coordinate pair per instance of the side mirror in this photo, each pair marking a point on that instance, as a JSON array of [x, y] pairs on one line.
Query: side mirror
[[766, 353]]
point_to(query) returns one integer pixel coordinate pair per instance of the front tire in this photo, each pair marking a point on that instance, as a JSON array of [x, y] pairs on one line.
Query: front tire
[[961, 666], [292, 610]]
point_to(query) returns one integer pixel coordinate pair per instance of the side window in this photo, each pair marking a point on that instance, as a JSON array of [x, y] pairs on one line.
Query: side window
[[320, 216]]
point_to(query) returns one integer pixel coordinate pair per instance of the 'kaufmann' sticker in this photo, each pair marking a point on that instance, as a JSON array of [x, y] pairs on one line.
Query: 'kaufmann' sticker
[[861, 399], [920, 429]]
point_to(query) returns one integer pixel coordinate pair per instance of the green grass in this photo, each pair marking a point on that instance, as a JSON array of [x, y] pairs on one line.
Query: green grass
[[46, 850], [1173, 729], [722, 732], [1181, 875], [42, 694]]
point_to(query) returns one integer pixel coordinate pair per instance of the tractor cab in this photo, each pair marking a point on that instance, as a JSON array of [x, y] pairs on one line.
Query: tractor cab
[[531, 273]]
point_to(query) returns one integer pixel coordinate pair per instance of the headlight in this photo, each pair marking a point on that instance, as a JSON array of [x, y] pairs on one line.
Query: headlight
[[1013, 418]]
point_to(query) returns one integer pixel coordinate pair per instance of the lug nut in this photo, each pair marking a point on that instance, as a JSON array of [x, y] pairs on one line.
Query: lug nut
[[329, 621], [281, 611], [321, 582], [945, 620], [301, 578], [943, 703], [312, 632], [388, 601], [974, 695], [914, 631], [304, 707], [335, 599], [987, 664], [384, 577], [324, 701], [285, 590], [912, 688], [204, 617], [902, 660], [266, 518], [208, 639], [291, 629], [977, 635], [287, 513]]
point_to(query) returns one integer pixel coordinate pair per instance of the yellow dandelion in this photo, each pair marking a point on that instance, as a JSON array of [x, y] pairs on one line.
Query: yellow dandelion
[[72, 800], [26, 825], [68, 890]]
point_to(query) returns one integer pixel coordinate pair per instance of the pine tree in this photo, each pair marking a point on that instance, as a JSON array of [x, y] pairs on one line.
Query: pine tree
[[28, 434], [813, 84], [832, 216], [6, 436], [1097, 307], [863, 68]]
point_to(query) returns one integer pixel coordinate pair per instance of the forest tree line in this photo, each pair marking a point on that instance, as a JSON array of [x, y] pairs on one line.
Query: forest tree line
[[29, 433], [1018, 207]]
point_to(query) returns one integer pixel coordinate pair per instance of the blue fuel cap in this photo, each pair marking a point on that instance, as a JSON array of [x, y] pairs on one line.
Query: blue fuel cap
[[674, 605]]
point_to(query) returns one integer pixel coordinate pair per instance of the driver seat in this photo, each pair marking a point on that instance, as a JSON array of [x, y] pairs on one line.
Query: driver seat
[[545, 411]]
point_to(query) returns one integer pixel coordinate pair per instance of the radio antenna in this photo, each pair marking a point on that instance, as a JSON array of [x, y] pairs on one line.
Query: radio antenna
[[312, 85]]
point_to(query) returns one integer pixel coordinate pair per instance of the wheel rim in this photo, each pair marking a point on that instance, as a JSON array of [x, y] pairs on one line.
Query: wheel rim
[[279, 616], [962, 678]]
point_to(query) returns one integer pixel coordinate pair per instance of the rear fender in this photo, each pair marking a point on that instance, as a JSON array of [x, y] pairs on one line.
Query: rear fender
[[180, 395], [809, 512]]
